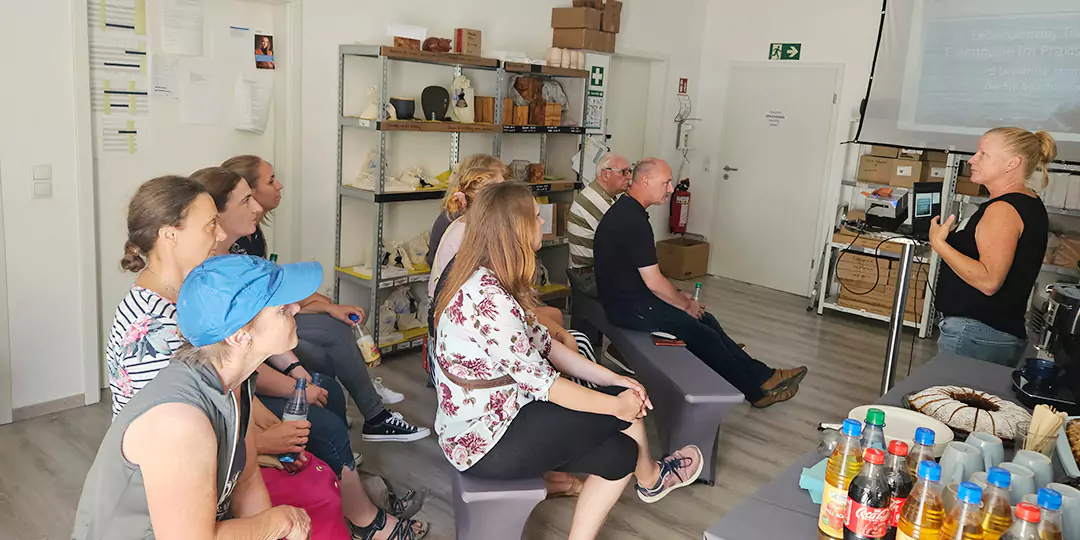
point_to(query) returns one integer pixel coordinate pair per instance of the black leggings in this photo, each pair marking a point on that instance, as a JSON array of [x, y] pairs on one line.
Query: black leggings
[[548, 437]]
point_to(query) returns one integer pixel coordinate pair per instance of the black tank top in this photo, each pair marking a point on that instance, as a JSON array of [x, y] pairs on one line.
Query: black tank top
[[1005, 309]]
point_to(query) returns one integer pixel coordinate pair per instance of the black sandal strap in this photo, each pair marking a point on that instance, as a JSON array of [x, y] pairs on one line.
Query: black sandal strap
[[368, 532], [404, 530]]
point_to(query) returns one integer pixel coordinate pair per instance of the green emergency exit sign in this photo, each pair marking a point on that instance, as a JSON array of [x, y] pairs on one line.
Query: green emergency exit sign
[[785, 51]]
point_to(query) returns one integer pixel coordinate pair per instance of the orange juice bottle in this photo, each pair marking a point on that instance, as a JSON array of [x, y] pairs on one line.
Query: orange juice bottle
[[844, 465], [997, 513], [922, 513], [964, 522]]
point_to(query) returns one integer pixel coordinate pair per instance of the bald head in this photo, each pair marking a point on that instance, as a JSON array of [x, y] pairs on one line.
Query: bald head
[[652, 182], [613, 173]]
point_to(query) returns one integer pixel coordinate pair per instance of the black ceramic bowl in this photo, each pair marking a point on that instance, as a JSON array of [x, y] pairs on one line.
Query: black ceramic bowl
[[405, 107]]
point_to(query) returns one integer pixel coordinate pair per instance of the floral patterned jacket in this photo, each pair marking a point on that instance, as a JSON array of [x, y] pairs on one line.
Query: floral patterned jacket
[[141, 343], [484, 334]]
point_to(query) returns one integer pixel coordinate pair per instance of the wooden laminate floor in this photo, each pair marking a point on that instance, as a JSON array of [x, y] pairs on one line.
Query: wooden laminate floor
[[43, 461]]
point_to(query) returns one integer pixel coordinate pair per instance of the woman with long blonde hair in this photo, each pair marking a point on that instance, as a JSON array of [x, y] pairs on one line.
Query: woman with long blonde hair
[[504, 411], [992, 261], [455, 200]]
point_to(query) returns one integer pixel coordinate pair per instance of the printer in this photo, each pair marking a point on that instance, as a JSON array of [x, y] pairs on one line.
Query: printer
[[887, 212]]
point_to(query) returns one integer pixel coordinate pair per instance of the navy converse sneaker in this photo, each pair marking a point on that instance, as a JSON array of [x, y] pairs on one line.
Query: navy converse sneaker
[[393, 428]]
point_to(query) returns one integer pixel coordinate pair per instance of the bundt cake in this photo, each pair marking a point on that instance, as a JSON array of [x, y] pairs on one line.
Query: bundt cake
[[970, 410]]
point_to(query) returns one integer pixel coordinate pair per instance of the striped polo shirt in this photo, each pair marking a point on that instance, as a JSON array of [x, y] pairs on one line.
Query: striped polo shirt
[[590, 205]]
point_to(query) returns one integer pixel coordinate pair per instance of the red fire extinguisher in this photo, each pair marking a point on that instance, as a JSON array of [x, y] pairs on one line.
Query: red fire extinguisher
[[680, 207]]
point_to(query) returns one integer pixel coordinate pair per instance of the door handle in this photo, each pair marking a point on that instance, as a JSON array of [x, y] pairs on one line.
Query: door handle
[[729, 169]]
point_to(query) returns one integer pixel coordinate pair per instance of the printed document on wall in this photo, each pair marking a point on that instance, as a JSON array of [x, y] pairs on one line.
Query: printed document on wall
[[125, 17], [163, 76], [119, 74], [253, 96], [123, 135], [182, 27], [200, 97]]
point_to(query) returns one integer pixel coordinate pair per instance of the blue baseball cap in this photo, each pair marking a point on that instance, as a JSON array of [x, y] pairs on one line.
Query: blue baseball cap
[[224, 293]]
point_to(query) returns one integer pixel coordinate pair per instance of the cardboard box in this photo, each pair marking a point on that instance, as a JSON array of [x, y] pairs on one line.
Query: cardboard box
[[884, 151], [583, 38], [595, 4], [683, 258], [612, 19], [922, 155], [894, 172], [934, 172], [468, 41], [869, 283], [549, 212], [576, 17], [966, 187]]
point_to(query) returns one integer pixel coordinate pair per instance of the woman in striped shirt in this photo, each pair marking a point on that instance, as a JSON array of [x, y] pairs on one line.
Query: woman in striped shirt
[[172, 228]]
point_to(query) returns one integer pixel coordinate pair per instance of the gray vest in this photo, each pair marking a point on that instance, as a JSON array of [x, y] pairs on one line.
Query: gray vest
[[113, 503]]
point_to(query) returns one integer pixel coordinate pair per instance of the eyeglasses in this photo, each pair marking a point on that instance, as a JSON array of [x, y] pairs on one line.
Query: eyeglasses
[[624, 172]]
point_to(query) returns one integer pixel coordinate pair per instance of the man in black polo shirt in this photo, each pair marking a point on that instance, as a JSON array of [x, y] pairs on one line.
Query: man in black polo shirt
[[636, 296]]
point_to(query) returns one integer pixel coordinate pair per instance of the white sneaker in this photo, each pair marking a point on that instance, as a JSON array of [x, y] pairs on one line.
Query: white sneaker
[[388, 396]]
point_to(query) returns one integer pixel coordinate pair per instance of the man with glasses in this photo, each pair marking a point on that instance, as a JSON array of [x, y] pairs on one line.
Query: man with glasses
[[590, 205], [635, 295]]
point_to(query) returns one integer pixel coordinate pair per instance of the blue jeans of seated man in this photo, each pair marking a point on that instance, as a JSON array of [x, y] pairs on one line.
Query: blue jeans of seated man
[[329, 436], [705, 338], [974, 339]]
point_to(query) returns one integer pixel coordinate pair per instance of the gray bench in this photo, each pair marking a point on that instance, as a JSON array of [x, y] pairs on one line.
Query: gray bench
[[690, 399], [493, 509]]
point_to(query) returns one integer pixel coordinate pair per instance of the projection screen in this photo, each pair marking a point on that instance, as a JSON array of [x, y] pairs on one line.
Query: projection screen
[[948, 70]]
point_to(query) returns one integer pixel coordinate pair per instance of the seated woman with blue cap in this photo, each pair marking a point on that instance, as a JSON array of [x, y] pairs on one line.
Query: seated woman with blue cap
[[179, 459]]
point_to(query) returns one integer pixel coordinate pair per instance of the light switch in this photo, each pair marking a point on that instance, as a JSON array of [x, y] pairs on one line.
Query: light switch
[[43, 172], [42, 190]]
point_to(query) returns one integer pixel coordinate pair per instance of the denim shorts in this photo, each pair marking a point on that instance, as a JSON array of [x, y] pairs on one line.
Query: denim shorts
[[974, 339]]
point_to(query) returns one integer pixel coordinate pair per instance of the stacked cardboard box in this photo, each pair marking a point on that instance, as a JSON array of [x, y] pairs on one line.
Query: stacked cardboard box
[[902, 167], [858, 273], [589, 25]]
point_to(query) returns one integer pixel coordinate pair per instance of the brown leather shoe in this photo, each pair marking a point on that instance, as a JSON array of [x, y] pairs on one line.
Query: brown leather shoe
[[776, 396], [783, 378]]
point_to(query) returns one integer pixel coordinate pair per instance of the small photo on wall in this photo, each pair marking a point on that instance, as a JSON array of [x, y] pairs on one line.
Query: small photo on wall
[[264, 51]]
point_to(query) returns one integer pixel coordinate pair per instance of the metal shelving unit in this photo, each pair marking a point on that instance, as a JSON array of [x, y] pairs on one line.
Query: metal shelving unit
[[384, 55]]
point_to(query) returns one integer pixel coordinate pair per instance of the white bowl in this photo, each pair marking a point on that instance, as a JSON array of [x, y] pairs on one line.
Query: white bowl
[[900, 425]]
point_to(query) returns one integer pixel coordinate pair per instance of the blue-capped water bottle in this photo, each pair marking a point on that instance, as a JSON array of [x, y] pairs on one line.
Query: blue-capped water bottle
[[295, 409]]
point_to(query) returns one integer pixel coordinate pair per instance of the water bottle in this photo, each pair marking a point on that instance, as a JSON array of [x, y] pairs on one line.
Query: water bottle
[[273, 258], [365, 342], [697, 292], [964, 522], [296, 409], [873, 435], [1027, 523]]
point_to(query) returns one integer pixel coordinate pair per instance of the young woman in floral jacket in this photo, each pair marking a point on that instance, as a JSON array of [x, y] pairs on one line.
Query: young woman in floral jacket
[[504, 410]]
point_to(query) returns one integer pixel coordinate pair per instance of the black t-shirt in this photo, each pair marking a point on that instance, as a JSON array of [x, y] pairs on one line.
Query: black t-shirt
[[1005, 309], [623, 244], [254, 245]]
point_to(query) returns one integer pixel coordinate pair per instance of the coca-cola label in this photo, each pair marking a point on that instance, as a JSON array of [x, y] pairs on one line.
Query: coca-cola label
[[895, 505], [866, 521], [833, 511]]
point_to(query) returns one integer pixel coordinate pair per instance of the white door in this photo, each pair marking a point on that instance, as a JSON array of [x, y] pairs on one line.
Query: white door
[[627, 98], [5, 344], [776, 138]]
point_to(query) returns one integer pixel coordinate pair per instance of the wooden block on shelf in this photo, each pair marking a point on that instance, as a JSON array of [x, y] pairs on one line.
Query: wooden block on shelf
[[521, 115], [530, 88], [407, 43], [485, 109], [552, 115], [508, 112]]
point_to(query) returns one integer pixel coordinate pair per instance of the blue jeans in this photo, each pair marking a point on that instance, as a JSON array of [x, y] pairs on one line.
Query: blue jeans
[[705, 338], [329, 437], [973, 339]]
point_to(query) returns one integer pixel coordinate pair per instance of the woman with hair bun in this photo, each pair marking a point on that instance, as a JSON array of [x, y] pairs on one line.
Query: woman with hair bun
[[993, 260]]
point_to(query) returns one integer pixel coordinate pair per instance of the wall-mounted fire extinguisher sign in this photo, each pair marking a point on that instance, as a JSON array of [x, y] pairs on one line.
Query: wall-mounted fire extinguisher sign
[[680, 207]]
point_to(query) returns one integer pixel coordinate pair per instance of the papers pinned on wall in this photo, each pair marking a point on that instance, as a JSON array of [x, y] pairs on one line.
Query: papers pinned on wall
[[182, 27], [252, 99]]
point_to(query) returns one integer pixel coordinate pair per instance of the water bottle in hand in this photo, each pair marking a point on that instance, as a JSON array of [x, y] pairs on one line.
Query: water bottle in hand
[[697, 292], [365, 341], [295, 409]]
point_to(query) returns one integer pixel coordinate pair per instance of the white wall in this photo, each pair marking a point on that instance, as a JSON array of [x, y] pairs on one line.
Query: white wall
[[50, 289], [670, 31], [179, 148], [839, 31]]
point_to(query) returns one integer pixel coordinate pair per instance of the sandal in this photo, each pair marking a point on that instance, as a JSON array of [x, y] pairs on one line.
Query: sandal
[[574, 490], [404, 530], [403, 506]]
